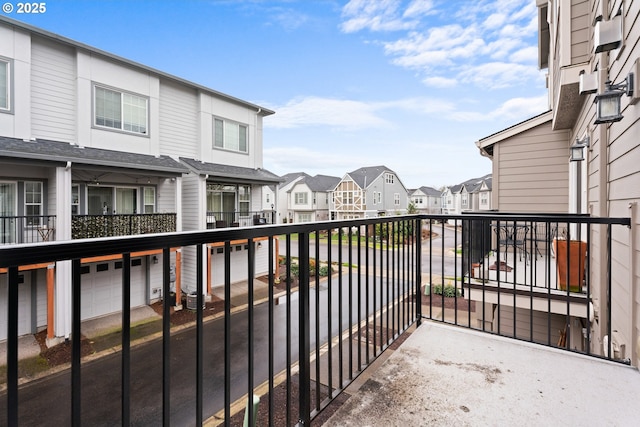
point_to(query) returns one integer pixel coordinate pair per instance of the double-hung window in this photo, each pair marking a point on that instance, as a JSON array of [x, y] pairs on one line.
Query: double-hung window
[[33, 202], [149, 199], [5, 85], [229, 135], [120, 110], [301, 198], [244, 199]]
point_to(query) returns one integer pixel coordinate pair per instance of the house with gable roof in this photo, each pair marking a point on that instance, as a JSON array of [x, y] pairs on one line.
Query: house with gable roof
[[427, 200], [308, 198], [96, 145], [369, 192]]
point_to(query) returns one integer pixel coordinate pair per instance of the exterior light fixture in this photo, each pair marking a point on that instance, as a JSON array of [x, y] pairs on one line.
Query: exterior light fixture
[[608, 102], [576, 151]]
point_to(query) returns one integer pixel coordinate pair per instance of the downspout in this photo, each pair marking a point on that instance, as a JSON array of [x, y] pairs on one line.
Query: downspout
[[635, 332], [602, 200]]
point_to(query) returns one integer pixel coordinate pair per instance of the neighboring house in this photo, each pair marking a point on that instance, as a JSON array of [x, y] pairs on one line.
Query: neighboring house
[[583, 44], [95, 145], [427, 200], [308, 198], [287, 182], [369, 192], [469, 196]]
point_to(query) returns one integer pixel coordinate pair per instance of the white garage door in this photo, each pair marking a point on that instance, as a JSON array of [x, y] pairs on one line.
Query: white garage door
[[102, 287], [25, 306]]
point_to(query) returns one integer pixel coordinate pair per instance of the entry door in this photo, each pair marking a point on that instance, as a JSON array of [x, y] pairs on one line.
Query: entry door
[[8, 210]]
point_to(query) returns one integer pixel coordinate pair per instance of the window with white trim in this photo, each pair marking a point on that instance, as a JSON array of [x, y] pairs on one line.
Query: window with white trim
[[377, 197], [388, 178], [304, 217], [75, 199], [149, 200], [230, 135], [33, 202], [120, 110], [5, 85], [396, 199], [300, 198], [244, 199]]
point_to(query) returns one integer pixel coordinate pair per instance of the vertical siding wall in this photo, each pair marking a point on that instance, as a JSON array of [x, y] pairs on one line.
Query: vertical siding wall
[[53, 95], [533, 171]]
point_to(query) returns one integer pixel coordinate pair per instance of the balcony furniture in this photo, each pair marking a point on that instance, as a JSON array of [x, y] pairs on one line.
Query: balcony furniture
[[221, 224], [513, 236], [46, 232], [543, 234]]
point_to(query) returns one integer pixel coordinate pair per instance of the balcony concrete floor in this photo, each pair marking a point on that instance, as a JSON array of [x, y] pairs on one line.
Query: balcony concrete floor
[[445, 375]]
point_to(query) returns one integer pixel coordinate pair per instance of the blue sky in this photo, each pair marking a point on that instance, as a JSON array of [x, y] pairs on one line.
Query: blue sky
[[409, 84]]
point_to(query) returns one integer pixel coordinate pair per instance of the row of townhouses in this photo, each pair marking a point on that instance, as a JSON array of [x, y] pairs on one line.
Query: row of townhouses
[[95, 145], [369, 192]]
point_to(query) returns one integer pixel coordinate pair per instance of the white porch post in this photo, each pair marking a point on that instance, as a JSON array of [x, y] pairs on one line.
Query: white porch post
[[62, 292]]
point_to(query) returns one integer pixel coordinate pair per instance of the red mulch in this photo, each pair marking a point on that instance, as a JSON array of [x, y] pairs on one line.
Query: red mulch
[[434, 300]]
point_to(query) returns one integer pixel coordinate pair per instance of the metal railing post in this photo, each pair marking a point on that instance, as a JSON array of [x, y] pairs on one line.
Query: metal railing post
[[304, 330]]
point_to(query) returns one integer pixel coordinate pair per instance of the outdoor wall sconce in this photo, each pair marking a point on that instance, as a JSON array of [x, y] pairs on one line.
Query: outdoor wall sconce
[[576, 151], [608, 103]]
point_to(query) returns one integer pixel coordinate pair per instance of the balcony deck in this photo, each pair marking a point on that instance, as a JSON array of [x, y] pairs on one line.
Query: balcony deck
[[445, 375]]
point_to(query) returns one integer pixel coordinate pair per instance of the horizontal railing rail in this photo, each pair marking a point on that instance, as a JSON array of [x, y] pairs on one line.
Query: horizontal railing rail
[[27, 229], [92, 226], [239, 219], [340, 293]]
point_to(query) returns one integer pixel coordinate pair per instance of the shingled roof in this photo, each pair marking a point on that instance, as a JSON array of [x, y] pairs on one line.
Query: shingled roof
[[62, 152], [227, 172]]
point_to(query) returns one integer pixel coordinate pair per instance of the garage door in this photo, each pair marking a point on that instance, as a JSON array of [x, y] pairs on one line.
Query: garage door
[[25, 306], [102, 287]]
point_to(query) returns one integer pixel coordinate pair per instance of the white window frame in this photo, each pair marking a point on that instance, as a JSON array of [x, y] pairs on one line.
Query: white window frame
[[244, 200], [305, 217], [377, 197], [8, 107], [389, 178], [122, 123], [28, 202], [300, 198], [396, 199], [151, 192], [75, 199], [223, 138]]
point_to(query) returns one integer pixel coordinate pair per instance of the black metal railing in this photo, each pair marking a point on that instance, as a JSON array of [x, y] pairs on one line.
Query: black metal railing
[[239, 219], [92, 226], [347, 291], [532, 277], [27, 229], [338, 294]]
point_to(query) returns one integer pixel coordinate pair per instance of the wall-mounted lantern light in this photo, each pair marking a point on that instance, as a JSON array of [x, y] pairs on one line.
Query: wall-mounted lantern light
[[608, 102], [576, 151]]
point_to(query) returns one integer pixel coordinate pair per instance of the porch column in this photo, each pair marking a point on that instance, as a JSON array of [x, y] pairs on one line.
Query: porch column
[[51, 277], [178, 277], [208, 258], [62, 289]]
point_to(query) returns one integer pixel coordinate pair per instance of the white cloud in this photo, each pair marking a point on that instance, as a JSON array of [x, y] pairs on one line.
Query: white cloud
[[512, 109], [349, 114], [527, 54], [496, 75], [441, 82], [291, 158], [419, 8], [374, 15], [311, 111]]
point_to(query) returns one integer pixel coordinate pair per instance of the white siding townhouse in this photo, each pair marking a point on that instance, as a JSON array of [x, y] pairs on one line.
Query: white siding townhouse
[[308, 198], [427, 200], [369, 192], [94, 145]]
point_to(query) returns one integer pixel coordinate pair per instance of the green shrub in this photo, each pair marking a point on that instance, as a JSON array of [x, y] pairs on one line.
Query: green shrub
[[448, 291], [324, 270]]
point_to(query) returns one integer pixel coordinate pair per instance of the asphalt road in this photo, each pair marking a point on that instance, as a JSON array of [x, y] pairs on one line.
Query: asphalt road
[[46, 401]]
